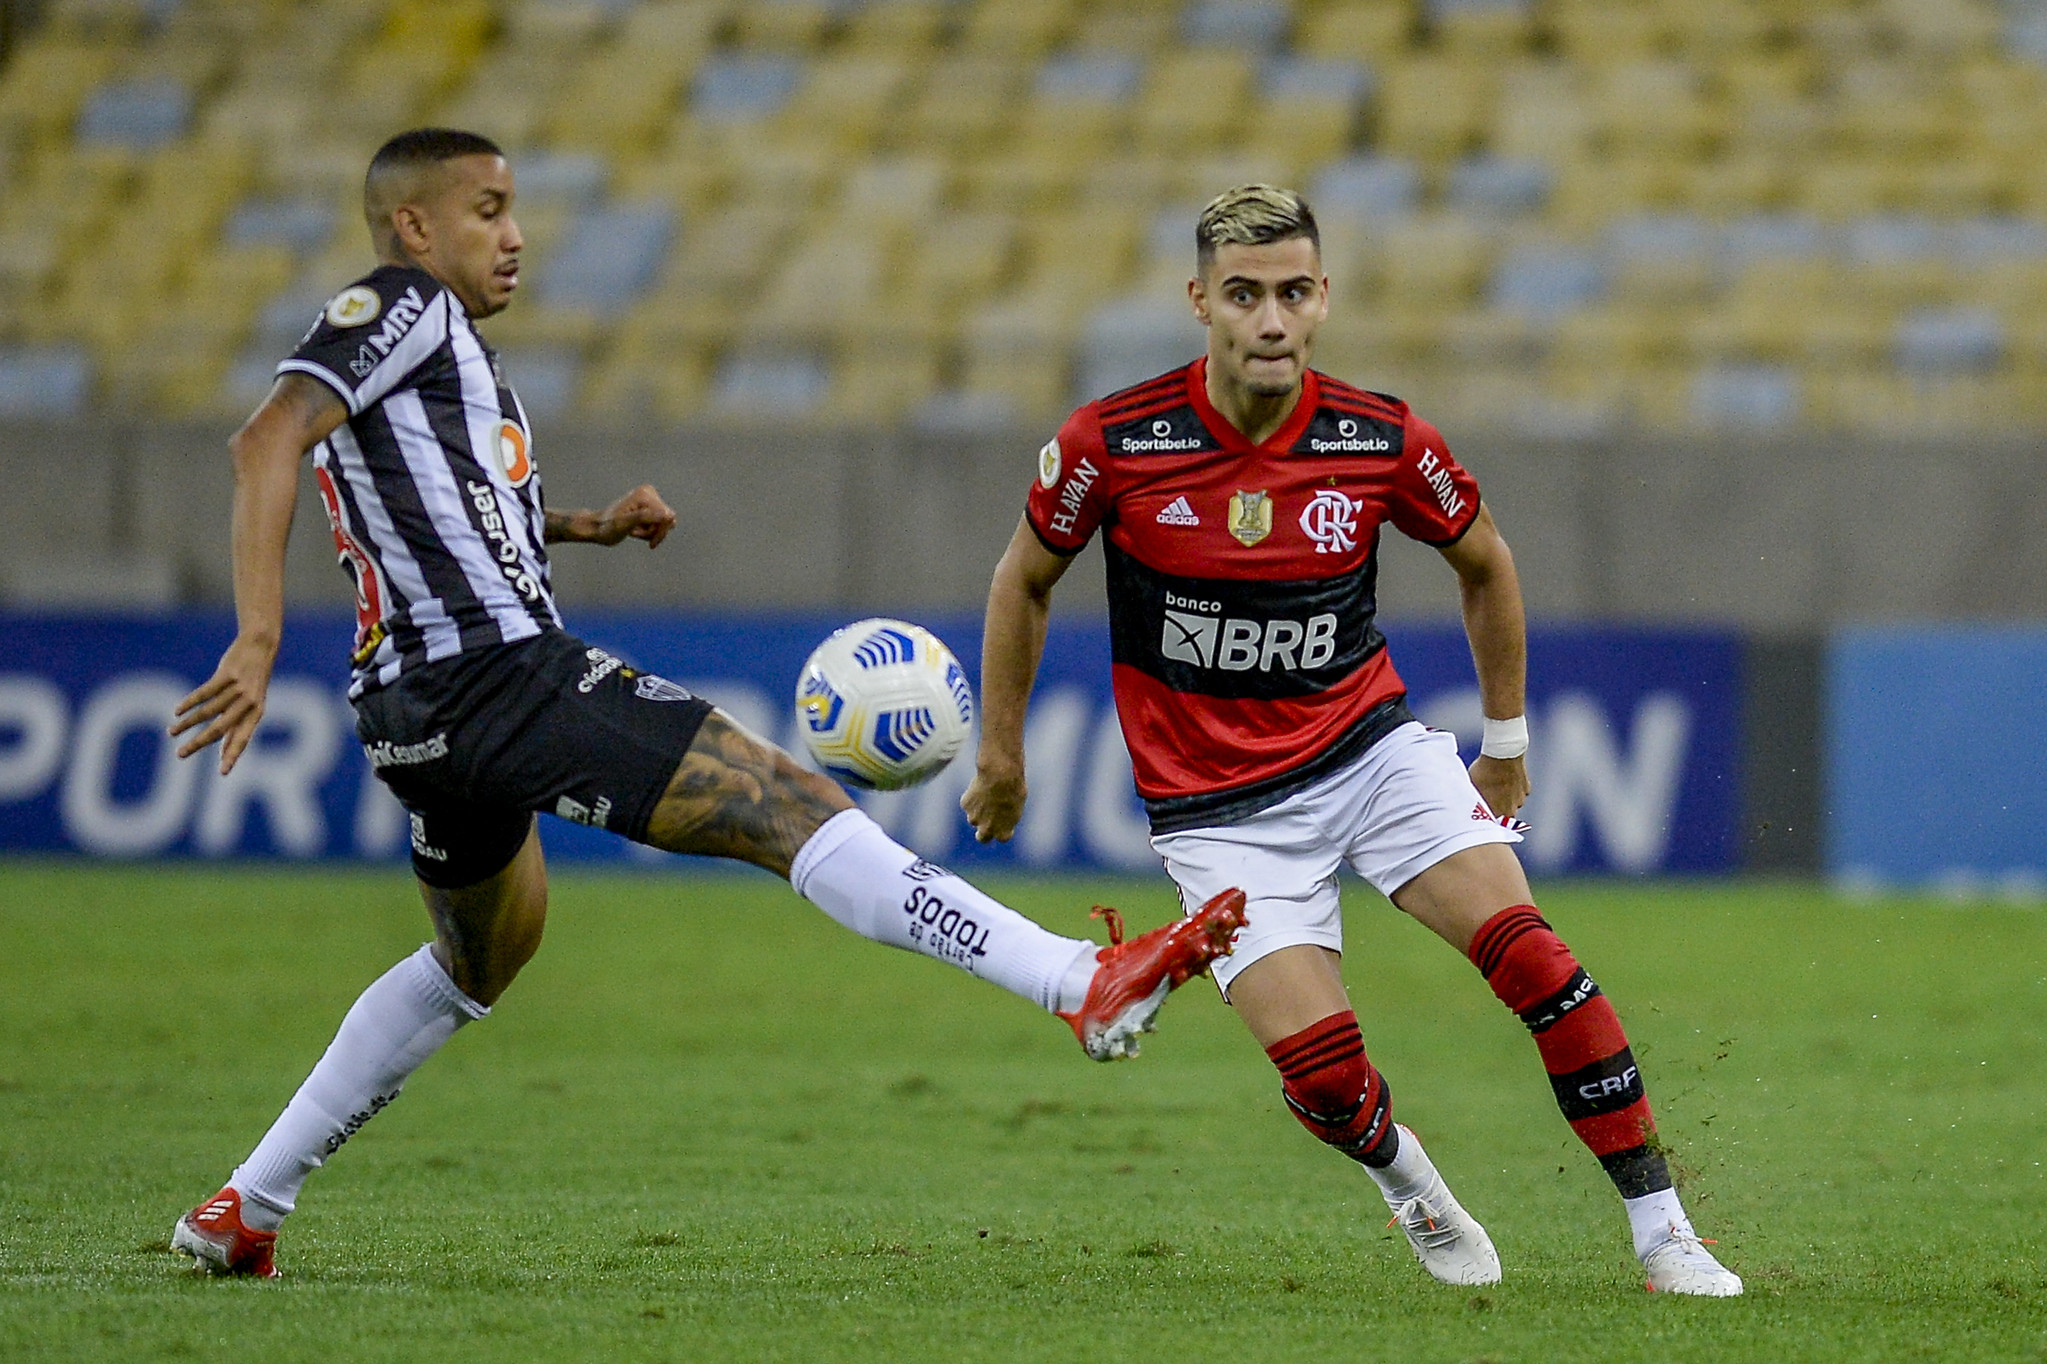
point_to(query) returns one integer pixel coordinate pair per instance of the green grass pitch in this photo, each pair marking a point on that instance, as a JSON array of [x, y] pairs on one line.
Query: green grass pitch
[[709, 1124]]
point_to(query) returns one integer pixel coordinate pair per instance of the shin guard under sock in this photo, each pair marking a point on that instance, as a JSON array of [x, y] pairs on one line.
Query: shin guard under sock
[[1337, 1093], [1591, 1068]]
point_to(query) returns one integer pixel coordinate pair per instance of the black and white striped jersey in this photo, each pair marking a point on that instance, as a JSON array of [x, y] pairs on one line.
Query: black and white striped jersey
[[429, 485]]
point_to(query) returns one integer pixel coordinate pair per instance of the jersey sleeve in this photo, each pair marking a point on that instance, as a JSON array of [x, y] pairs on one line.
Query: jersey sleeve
[[1434, 499], [1069, 500], [373, 334]]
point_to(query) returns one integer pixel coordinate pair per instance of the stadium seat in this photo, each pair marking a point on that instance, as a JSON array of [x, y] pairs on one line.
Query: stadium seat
[[1370, 30], [609, 257]]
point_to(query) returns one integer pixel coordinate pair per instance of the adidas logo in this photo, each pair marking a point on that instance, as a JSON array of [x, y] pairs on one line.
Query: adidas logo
[[1178, 513]]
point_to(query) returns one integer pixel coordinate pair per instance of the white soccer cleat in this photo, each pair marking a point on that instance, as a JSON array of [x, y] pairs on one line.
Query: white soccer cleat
[[1448, 1241], [1680, 1263]]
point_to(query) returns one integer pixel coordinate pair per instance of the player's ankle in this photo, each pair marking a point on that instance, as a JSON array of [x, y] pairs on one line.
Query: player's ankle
[[257, 1213], [1080, 974]]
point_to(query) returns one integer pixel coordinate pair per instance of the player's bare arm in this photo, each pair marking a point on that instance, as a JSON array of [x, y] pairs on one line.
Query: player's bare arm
[[1498, 630], [1012, 642], [639, 515], [298, 414]]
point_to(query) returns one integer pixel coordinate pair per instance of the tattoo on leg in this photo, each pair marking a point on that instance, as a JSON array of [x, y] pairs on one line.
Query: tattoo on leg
[[734, 796]]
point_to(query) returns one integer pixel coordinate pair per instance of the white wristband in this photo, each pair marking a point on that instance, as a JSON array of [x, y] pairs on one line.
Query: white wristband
[[1505, 738]]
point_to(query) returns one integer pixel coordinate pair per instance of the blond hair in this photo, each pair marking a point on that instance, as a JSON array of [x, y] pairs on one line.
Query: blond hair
[[1252, 215]]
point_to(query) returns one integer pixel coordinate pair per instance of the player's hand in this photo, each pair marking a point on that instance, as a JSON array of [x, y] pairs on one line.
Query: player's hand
[[640, 514], [229, 706], [1503, 782], [994, 803]]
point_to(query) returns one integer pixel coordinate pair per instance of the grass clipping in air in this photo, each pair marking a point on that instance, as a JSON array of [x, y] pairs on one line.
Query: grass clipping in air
[[709, 1124]]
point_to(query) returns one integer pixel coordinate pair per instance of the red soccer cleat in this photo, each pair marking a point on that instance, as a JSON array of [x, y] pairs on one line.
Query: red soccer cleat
[[1135, 977], [213, 1235]]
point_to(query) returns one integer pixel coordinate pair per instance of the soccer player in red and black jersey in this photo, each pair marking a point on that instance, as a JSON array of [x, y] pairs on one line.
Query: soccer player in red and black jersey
[[1239, 501], [478, 709]]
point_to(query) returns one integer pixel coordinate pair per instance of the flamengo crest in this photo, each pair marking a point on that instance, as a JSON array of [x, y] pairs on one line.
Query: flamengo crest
[[1331, 521], [1250, 516]]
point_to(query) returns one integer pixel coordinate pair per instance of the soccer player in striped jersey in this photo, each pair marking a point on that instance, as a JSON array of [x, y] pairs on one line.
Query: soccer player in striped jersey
[[1240, 500], [478, 709]]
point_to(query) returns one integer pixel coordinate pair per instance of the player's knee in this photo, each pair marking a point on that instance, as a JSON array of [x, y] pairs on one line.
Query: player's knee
[[1333, 1089], [1529, 967]]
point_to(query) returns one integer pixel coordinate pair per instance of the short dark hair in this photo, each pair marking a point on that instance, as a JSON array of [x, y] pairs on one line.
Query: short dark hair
[[1252, 215], [426, 146]]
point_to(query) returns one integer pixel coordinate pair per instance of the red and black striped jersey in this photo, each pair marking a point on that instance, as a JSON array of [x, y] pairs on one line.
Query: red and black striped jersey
[[1243, 578]]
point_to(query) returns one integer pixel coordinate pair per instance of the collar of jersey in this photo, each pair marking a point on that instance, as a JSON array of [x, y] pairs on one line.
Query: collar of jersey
[[1236, 442]]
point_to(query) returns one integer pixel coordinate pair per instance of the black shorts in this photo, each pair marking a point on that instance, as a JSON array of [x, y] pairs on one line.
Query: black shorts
[[472, 746]]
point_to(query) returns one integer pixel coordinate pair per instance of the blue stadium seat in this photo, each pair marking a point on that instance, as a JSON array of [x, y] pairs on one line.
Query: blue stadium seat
[[569, 177], [140, 114], [1751, 397], [1367, 187], [1781, 235], [44, 381], [1091, 77], [300, 224], [546, 378], [1311, 78], [1132, 339], [742, 89], [1935, 342], [777, 385], [609, 258], [1494, 186], [1547, 281], [1242, 25]]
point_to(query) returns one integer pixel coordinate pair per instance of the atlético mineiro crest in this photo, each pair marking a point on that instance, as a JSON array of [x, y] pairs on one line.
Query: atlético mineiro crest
[[1250, 516]]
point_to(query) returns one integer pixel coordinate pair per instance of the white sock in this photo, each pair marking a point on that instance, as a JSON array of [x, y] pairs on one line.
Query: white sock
[[403, 1018], [881, 890], [1411, 1174], [1652, 1216]]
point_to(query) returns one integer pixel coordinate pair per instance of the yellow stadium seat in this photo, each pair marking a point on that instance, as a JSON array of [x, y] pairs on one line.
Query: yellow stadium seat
[[1595, 32], [1434, 108], [785, 25], [1301, 133], [1375, 31], [962, 103], [1433, 260], [849, 100], [1082, 252], [955, 259], [898, 26], [1133, 28], [1027, 181], [617, 100], [880, 386], [1193, 100], [1485, 30], [1017, 30]]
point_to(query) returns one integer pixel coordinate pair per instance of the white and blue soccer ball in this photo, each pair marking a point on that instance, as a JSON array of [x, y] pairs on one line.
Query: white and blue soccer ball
[[883, 704]]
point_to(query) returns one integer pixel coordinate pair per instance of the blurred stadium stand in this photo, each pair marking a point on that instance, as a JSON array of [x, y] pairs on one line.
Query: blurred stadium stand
[[1693, 252]]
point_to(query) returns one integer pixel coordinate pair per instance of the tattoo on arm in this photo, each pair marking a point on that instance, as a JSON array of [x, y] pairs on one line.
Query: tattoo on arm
[[734, 796], [557, 527]]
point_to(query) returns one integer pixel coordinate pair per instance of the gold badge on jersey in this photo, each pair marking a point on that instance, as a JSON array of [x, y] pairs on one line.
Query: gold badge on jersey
[[1250, 517]]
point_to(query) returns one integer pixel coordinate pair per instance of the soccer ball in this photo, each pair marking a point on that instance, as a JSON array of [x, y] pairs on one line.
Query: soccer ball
[[883, 704]]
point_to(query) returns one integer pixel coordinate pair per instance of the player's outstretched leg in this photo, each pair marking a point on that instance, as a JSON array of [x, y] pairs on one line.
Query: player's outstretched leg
[[486, 932], [1599, 1087], [1340, 1096], [735, 796]]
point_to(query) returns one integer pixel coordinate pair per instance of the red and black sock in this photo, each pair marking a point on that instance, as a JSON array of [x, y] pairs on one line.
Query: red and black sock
[[1590, 1065], [1335, 1092]]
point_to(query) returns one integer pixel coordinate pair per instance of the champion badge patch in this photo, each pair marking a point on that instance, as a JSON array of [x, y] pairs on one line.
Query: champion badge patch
[[354, 306], [1250, 516]]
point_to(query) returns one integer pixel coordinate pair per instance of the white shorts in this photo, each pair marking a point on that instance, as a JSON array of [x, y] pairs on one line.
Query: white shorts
[[1398, 810]]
